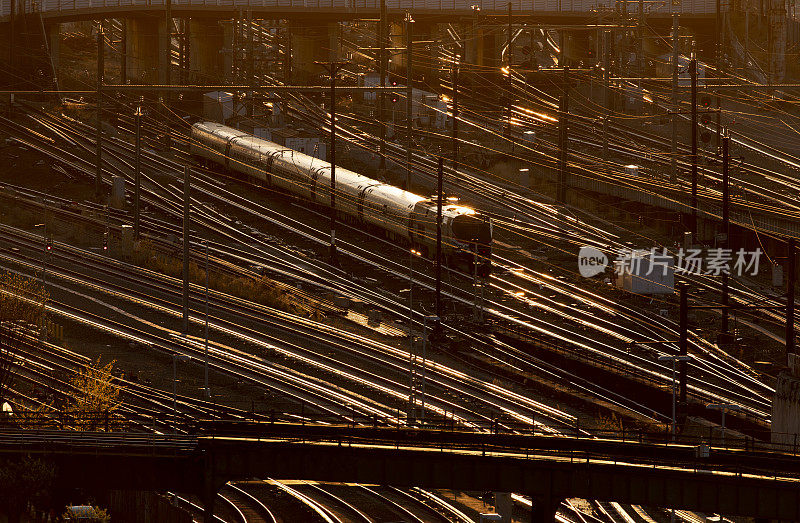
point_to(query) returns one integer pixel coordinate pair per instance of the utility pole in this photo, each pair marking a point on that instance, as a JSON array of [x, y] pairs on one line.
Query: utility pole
[[382, 72], [455, 115], [790, 283], [510, 58], [624, 26], [287, 56], [675, 105], [236, 39], [251, 62], [11, 50], [640, 49], [476, 40], [98, 178], [188, 50], [693, 73], [409, 94], [564, 139], [186, 206], [123, 59], [137, 175], [207, 390], [683, 343], [606, 89], [439, 198], [413, 392], [181, 50], [674, 359], [746, 37], [718, 61], [332, 69], [725, 226], [168, 72]]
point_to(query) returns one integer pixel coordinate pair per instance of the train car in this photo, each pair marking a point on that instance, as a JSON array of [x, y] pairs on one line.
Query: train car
[[466, 237]]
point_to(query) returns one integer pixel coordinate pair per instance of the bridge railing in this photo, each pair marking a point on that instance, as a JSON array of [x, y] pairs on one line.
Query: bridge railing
[[520, 7], [237, 422], [660, 434]]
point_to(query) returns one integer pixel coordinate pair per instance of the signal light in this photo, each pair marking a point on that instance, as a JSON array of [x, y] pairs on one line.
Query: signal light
[[49, 244], [105, 241], [705, 101]]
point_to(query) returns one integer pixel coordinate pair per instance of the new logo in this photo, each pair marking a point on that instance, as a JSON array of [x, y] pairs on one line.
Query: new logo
[[591, 262]]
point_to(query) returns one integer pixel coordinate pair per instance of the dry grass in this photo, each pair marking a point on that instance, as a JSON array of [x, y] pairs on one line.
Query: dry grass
[[262, 290]]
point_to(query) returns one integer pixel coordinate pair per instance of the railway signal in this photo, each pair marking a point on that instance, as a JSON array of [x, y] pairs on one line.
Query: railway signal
[[49, 244], [105, 242]]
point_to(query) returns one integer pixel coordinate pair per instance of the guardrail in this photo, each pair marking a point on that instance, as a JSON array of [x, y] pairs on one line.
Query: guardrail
[[49, 438], [655, 434], [265, 422], [519, 7], [625, 446]]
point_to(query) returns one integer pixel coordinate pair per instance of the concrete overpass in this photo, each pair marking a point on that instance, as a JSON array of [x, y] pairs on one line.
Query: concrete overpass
[[313, 25], [350, 9], [757, 483]]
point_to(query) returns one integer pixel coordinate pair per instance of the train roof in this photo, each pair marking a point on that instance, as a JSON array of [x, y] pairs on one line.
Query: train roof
[[344, 176]]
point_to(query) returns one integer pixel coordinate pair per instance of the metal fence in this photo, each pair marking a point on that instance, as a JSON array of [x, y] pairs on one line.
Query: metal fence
[[269, 424], [519, 7]]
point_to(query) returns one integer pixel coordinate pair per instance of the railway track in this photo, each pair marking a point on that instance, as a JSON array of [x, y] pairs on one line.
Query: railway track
[[663, 373]]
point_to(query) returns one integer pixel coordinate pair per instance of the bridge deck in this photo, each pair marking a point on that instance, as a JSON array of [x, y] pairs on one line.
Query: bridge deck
[[344, 9], [761, 483]]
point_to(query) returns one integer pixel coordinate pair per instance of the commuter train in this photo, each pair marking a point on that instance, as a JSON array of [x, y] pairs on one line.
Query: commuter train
[[400, 214]]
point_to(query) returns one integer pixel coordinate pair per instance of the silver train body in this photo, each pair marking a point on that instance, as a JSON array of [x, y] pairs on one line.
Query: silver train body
[[399, 213]]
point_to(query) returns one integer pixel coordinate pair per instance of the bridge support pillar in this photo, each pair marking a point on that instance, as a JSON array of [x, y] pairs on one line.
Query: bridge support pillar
[[543, 509], [208, 497], [146, 38], [577, 48], [786, 407], [484, 50], [310, 44], [54, 42], [504, 505], [426, 56], [208, 508], [397, 57], [206, 59], [777, 40]]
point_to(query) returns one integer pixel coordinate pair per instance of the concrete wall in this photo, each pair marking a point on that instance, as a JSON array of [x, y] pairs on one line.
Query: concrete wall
[[786, 409]]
